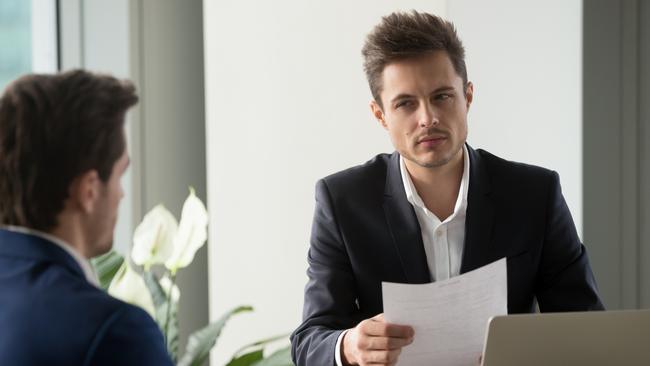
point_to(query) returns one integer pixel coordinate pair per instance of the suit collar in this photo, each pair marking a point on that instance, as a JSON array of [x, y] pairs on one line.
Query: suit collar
[[26, 246], [478, 171], [405, 230], [480, 215], [403, 225], [395, 187]]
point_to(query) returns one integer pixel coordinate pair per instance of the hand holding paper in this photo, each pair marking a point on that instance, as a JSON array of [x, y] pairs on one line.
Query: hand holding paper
[[449, 317], [373, 341]]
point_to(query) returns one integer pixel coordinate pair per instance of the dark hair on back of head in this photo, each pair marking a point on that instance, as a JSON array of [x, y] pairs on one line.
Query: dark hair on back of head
[[53, 128]]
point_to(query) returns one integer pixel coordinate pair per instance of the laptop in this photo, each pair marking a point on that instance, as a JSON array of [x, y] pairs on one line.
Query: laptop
[[581, 338]]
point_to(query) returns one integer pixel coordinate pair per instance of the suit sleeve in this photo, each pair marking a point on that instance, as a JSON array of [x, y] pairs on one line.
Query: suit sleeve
[[330, 294], [565, 282], [130, 337]]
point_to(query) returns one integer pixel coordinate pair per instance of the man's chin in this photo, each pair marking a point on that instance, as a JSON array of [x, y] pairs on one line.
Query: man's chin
[[433, 162], [435, 159]]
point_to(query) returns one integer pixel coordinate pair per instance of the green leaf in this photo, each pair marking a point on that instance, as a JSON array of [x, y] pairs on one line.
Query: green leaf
[[281, 357], [201, 342], [247, 359], [172, 328], [106, 266], [158, 295], [261, 343]]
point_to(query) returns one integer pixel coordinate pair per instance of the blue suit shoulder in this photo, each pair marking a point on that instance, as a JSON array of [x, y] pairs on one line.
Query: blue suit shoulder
[[118, 333], [129, 336], [57, 318]]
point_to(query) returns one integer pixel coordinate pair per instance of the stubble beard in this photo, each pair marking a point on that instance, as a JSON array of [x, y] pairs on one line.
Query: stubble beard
[[440, 162]]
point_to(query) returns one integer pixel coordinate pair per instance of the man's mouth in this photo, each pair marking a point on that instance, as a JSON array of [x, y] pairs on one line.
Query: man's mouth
[[432, 140]]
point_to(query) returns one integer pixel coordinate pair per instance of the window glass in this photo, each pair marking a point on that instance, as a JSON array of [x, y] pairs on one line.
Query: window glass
[[15, 39]]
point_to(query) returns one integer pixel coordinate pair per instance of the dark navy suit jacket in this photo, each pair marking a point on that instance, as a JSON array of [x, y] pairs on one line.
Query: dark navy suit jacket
[[50, 315], [365, 232]]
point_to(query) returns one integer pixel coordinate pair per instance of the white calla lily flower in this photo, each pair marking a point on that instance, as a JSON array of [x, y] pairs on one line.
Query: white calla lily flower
[[129, 286], [192, 233], [153, 239]]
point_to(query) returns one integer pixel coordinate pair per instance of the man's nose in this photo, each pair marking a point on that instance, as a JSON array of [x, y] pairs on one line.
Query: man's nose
[[428, 117]]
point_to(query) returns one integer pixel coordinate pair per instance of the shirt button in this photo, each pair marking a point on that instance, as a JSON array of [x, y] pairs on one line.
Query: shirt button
[[438, 232]]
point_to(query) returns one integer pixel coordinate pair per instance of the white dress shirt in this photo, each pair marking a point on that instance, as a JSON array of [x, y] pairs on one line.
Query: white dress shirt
[[87, 269], [443, 240]]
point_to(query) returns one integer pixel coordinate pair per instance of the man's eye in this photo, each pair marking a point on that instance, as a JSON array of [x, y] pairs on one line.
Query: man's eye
[[443, 96], [404, 103]]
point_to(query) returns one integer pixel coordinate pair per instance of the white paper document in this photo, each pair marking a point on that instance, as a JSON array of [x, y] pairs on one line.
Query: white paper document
[[449, 317]]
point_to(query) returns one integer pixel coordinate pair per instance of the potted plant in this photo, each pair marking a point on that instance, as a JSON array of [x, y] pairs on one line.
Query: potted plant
[[161, 247]]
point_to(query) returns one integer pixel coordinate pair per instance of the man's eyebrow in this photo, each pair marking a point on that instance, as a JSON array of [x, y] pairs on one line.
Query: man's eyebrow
[[443, 88], [401, 96]]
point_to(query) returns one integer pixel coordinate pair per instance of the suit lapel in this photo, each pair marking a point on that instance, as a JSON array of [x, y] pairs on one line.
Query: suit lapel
[[404, 226], [479, 217]]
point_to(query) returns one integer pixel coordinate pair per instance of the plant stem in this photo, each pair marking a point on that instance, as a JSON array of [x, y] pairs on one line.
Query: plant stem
[[169, 307]]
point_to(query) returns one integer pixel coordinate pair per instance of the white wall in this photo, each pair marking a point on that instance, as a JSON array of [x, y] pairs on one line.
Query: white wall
[[525, 59], [286, 104]]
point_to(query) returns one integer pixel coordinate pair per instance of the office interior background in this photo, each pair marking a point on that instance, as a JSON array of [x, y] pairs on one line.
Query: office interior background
[[251, 102]]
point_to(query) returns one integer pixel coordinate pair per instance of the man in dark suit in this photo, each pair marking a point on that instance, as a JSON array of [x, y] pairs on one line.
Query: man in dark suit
[[433, 209], [62, 156]]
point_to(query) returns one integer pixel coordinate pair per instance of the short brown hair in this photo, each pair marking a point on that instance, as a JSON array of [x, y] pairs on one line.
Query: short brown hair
[[405, 35], [54, 128]]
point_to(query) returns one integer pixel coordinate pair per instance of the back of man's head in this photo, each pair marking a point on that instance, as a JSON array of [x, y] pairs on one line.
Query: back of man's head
[[54, 128], [406, 35]]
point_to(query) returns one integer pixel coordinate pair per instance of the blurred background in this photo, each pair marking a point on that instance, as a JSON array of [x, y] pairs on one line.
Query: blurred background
[[251, 102]]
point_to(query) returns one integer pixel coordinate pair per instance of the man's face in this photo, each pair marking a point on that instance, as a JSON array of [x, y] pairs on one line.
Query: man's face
[[104, 218], [425, 109]]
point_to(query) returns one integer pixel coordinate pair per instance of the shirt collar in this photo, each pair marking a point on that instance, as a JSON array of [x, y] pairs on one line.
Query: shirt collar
[[414, 198], [87, 269]]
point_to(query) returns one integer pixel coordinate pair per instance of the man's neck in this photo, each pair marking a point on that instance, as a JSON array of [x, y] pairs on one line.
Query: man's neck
[[438, 187], [70, 234]]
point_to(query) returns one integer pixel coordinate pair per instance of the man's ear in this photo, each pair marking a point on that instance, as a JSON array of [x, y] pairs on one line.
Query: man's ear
[[85, 190], [469, 94], [378, 113]]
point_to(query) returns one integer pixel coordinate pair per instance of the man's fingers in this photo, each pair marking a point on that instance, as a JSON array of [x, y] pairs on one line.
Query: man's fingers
[[385, 343], [384, 357], [375, 342], [400, 331], [374, 327]]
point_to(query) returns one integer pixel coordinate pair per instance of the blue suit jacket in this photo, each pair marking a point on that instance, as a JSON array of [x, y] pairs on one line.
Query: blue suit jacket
[[50, 314], [365, 231]]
